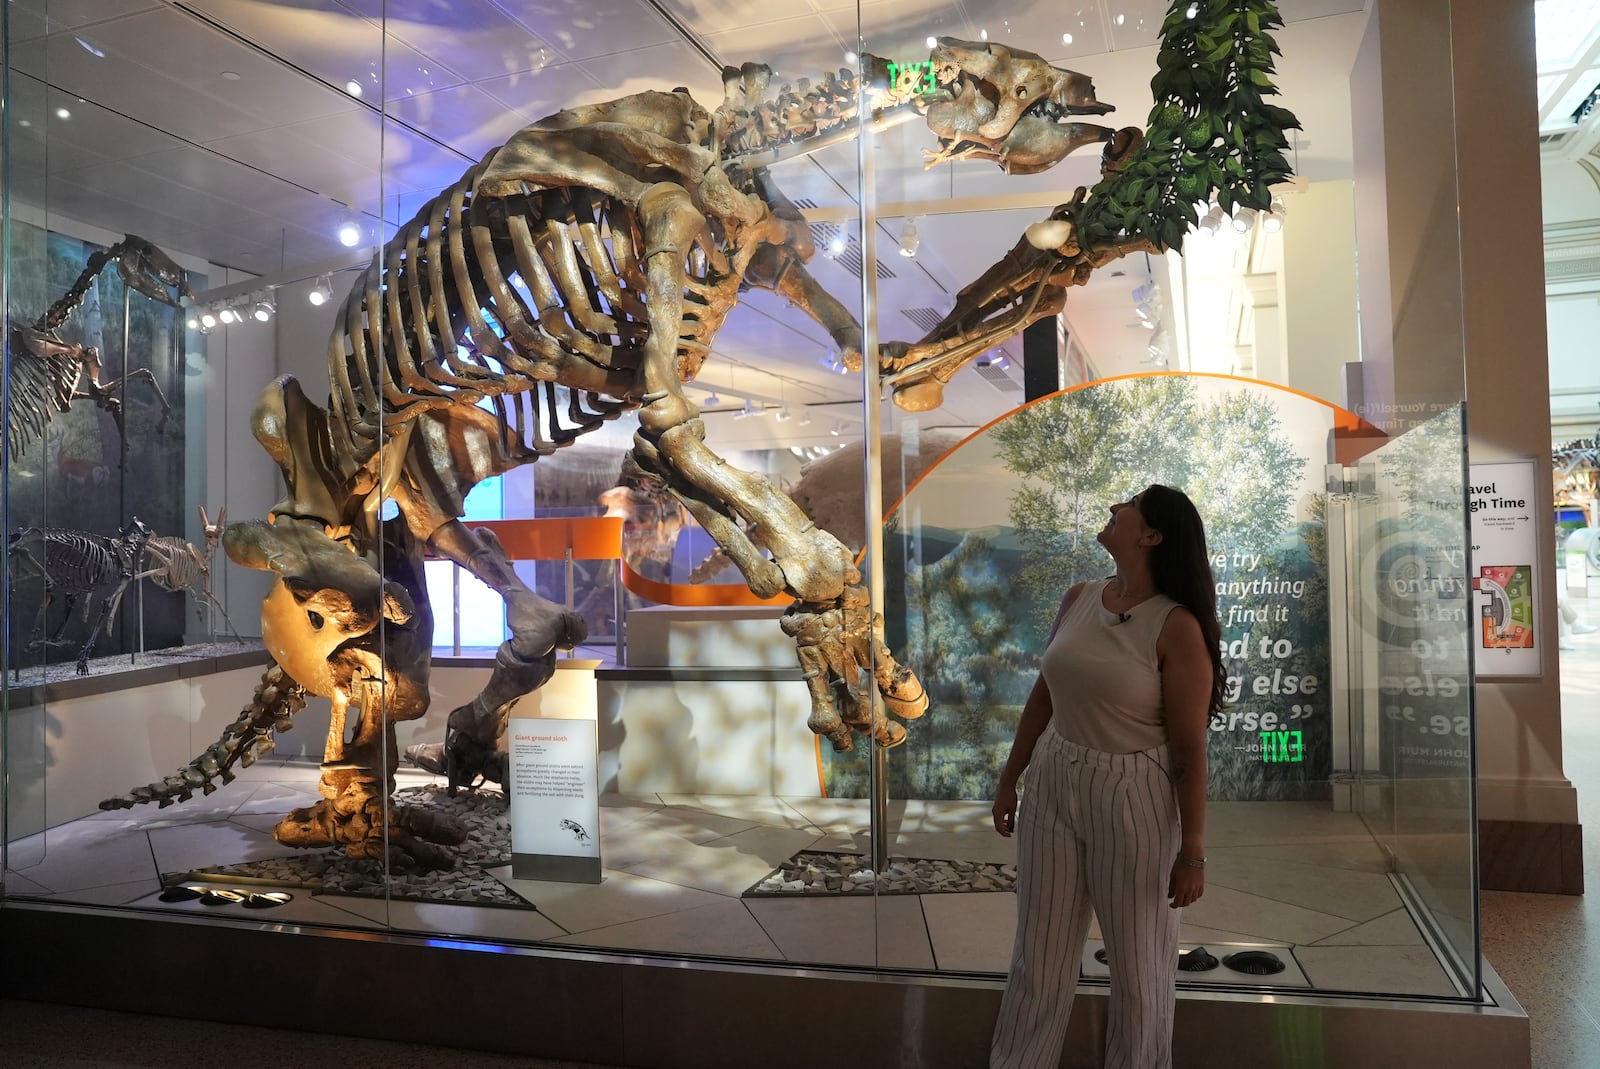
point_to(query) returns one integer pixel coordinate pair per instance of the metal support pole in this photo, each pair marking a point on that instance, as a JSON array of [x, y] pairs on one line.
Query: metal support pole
[[621, 615], [871, 440], [455, 607]]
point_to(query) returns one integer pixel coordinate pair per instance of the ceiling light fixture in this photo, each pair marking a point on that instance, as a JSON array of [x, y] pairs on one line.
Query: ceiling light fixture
[[712, 400], [264, 308], [749, 410], [228, 317], [837, 429], [910, 240], [805, 418], [781, 415], [1066, 38], [1244, 219], [1211, 222], [207, 320], [353, 87], [322, 292], [349, 233], [1272, 222]]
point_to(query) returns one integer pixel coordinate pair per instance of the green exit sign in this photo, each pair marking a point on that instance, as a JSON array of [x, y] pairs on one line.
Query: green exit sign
[[919, 73], [1280, 747]]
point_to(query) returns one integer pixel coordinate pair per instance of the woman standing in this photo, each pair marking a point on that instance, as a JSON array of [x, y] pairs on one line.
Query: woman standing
[[1114, 740]]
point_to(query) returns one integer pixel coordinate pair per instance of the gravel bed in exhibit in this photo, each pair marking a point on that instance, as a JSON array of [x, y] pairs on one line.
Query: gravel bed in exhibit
[[823, 872], [488, 844]]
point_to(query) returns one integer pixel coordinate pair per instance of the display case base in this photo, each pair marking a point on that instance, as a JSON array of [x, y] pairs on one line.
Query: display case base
[[659, 1014]]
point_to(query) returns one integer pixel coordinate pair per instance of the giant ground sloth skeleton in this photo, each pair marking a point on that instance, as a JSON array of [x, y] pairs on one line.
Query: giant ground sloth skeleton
[[580, 271]]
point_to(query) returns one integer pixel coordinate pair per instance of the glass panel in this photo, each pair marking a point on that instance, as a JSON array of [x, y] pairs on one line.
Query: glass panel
[[479, 323], [1415, 608], [1231, 368], [159, 156]]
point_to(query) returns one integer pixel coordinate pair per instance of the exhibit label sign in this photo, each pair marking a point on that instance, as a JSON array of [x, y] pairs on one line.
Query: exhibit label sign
[[1501, 499], [555, 802]]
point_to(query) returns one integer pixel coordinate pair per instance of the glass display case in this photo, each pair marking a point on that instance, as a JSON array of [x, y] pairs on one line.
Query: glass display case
[[694, 340]]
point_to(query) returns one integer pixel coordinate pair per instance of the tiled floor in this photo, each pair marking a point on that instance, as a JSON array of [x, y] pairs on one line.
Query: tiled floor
[[1545, 947], [676, 867]]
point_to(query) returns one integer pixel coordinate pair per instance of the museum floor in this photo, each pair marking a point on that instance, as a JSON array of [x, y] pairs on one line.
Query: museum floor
[[1546, 947], [677, 869]]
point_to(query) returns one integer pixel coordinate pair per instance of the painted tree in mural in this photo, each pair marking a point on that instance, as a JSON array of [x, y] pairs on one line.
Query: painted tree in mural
[[1076, 454]]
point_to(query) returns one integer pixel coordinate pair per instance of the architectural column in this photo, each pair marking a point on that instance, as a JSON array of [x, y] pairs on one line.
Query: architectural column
[[1452, 300]]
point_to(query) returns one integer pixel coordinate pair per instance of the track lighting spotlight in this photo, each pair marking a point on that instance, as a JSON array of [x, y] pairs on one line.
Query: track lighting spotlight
[[228, 317], [1211, 222], [1272, 222], [805, 418], [781, 415], [322, 292], [910, 240], [838, 428], [263, 310], [749, 410], [712, 400], [1244, 219], [208, 320]]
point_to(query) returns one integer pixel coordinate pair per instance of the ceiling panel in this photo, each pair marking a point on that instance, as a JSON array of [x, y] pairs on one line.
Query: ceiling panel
[[541, 92], [706, 17], [89, 134], [659, 67], [466, 118], [296, 152], [338, 46], [584, 29], [321, 37], [469, 73], [197, 168], [475, 31], [182, 90], [804, 47], [35, 18]]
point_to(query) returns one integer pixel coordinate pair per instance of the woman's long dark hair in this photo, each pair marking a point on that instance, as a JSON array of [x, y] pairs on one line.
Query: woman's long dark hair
[[1180, 566]]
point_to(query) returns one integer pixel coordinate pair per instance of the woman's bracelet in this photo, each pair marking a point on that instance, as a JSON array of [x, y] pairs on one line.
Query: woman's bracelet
[[1198, 863]]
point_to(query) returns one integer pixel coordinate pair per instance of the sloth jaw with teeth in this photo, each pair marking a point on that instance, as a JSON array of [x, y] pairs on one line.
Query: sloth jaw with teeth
[[1005, 104]]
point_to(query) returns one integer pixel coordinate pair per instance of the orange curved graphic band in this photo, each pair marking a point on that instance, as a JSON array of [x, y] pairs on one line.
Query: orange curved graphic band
[[694, 594], [589, 537]]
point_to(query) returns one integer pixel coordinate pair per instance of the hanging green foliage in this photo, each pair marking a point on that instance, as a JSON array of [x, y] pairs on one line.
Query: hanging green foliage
[[1211, 129]]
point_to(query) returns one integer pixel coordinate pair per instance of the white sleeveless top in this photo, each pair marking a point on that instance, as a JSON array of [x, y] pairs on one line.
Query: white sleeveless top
[[1101, 670]]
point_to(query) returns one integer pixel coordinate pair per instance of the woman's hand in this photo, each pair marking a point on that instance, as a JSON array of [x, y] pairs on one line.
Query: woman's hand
[[1186, 884], [1005, 809]]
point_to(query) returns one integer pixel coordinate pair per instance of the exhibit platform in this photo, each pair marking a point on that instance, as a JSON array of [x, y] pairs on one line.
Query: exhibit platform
[[678, 872]]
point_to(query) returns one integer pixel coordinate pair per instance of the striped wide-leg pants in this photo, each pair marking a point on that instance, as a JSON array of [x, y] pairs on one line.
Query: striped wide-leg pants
[[1096, 831]]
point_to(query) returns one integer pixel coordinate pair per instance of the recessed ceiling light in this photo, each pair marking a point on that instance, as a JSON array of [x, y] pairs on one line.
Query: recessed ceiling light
[[349, 234], [230, 76], [63, 113], [1066, 38], [25, 123], [933, 42], [353, 87], [89, 48]]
